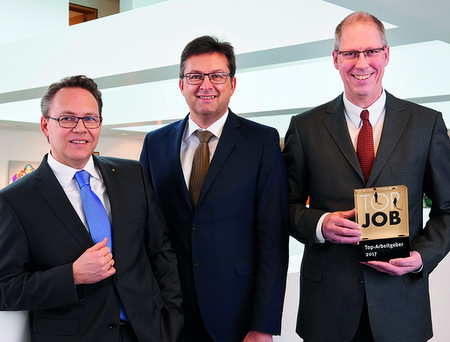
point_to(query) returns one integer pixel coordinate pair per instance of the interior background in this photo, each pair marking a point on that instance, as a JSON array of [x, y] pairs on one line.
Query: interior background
[[284, 67]]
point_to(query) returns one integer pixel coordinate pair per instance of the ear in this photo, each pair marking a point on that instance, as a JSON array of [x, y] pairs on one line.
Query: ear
[[181, 85], [44, 126], [335, 59], [233, 85], [386, 52]]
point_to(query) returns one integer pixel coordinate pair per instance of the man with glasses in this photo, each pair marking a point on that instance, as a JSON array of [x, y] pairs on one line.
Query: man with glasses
[[342, 299], [83, 244], [221, 183]]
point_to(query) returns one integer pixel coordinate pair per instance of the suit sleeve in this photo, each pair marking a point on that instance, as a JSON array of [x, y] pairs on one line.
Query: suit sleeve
[[272, 239], [144, 156], [22, 287], [433, 243], [164, 265], [303, 220]]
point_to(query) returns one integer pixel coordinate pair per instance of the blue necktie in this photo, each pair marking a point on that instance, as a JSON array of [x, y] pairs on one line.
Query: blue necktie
[[96, 216]]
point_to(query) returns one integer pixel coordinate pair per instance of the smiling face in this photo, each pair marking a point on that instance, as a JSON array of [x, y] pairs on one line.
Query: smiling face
[[362, 77], [207, 102], [71, 146]]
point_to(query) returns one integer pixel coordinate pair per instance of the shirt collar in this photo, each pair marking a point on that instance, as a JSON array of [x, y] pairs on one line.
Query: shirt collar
[[216, 128], [65, 173], [353, 112]]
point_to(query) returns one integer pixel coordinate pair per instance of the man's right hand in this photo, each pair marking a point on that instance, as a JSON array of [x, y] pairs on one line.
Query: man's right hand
[[338, 228], [94, 265]]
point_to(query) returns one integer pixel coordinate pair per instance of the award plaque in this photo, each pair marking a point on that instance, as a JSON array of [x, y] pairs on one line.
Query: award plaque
[[383, 215]]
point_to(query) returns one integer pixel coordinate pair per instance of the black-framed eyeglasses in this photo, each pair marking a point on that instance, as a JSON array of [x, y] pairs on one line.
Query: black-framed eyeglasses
[[195, 78], [354, 55], [71, 121]]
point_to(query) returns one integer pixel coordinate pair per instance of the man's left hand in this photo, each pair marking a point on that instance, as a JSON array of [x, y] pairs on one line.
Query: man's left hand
[[398, 267], [256, 336]]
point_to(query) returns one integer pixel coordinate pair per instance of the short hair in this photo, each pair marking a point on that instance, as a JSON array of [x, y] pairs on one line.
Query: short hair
[[359, 17], [208, 44], [79, 81]]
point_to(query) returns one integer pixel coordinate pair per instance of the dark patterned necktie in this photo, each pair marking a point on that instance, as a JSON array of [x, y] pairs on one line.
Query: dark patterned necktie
[[364, 145], [200, 165]]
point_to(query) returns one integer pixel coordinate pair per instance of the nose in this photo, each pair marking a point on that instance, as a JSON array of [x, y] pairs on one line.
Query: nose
[[80, 127], [206, 83], [361, 62]]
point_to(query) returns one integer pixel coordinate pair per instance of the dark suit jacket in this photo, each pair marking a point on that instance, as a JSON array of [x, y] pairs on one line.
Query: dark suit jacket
[[232, 250], [41, 236], [414, 150]]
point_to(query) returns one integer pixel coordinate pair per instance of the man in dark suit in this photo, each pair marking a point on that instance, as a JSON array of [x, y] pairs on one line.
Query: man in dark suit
[[342, 299], [231, 232], [75, 289]]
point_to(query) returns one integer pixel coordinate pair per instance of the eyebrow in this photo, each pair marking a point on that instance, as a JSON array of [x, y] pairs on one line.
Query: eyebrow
[[365, 49], [199, 72], [69, 113]]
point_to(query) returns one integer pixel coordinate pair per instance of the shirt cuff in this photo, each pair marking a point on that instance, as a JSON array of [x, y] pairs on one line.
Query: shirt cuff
[[419, 270], [319, 235]]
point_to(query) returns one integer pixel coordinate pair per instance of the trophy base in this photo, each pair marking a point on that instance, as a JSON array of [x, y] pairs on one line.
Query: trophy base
[[384, 249]]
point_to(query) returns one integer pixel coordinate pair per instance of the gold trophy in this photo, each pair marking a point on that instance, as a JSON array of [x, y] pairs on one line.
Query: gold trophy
[[382, 213]]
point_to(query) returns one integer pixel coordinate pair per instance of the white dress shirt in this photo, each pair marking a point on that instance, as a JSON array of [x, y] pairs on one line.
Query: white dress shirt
[[65, 175], [377, 112], [190, 141]]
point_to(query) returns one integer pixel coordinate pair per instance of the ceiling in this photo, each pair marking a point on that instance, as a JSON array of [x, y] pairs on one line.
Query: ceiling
[[283, 56]]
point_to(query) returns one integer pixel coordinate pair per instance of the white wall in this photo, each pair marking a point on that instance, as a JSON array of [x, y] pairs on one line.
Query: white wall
[[126, 5], [133, 53], [21, 19]]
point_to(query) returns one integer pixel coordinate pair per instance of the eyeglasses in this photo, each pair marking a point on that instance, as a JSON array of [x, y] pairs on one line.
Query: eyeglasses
[[70, 121], [214, 77], [354, 55]]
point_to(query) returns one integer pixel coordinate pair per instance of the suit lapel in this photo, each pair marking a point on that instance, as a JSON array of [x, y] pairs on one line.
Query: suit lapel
[[173, 155], [394, 124], [108, 175], [336, 125], [228, 139], [53, 194]]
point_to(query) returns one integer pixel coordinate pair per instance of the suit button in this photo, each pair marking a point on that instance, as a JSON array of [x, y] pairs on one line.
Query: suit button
[[195, 227], [116, 279], [361, 280], [196, 263], [112, 326]]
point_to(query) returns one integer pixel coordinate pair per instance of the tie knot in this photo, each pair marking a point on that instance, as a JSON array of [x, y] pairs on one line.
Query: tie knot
[[83, 178], [204, 136], [365, 114]]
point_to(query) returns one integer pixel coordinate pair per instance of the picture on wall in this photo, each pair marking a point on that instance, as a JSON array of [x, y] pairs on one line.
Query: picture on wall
[[18, 169]]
